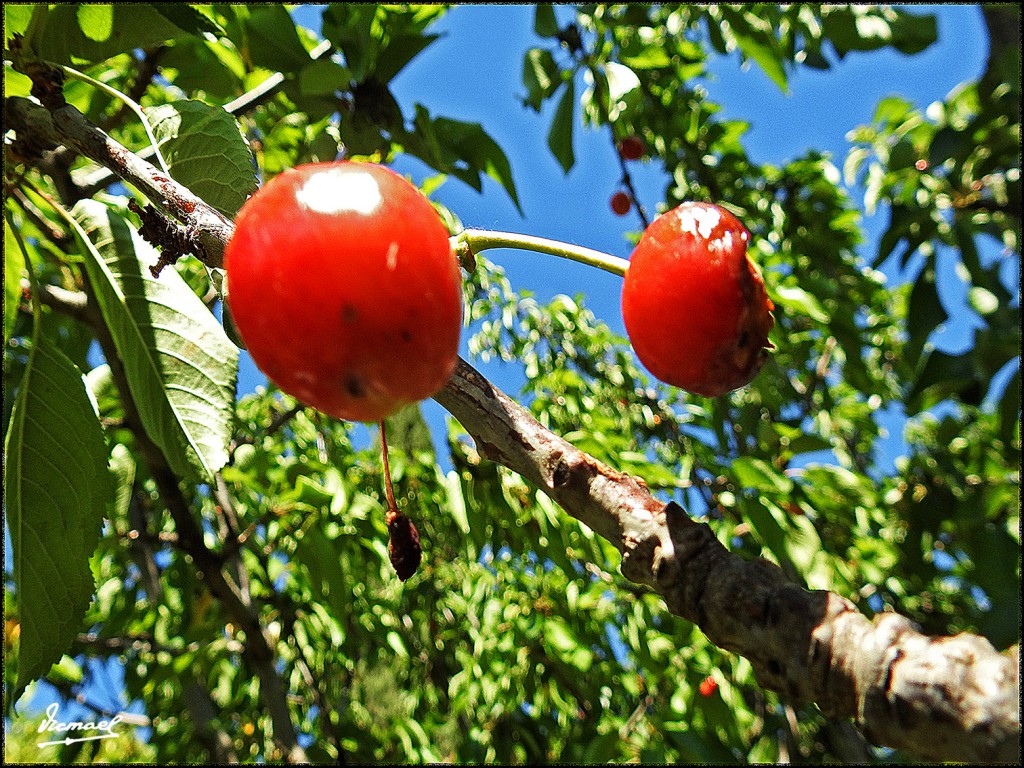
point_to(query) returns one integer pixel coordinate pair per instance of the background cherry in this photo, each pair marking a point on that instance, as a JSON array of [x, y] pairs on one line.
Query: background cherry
[[708, 686], [621, 202], [694, 305], [344, 288], [631, 148]]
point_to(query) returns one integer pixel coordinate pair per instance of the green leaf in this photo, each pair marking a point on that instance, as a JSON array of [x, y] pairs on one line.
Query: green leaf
[[318, 554], [96, 21], [179, 363], [801, 300], [560, 638], [60, 38], [16, 19], [408, 432], [925, 312], [206, 151], [309, 493], [188, 18], [624, 93], [14, 265], [323, 78], [544, 22], [757, 41], [770, 531], [560, 134], [399, 51], [272, 40], [752, 472], [56, 487], [456, 502], [541, 76], [464, 150], [944, 375]]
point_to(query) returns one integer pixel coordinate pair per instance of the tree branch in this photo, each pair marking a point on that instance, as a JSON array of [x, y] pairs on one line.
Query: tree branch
[[67, 126], [946, 698]]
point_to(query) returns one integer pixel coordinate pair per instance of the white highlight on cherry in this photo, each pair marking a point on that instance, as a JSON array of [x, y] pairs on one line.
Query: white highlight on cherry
[[699, 220], [336, 191]]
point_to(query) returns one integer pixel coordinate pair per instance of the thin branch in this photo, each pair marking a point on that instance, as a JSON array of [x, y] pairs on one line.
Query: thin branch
[[74, 304]]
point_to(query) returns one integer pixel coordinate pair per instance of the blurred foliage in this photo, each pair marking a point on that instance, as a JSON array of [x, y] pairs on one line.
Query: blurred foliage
[[518, 641]]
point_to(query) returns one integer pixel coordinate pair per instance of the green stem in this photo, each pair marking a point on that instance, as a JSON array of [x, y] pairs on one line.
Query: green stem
[[477, 240], [129, 103]]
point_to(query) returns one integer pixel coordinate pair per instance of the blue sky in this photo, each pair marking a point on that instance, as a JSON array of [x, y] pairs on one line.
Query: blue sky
[[473, 74]]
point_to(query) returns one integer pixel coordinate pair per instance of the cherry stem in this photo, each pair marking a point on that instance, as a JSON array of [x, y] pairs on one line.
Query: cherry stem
[[388, 488], [477, 240]]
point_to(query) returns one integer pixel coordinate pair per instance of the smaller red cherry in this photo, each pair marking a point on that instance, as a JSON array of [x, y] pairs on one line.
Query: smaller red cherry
[[694, 304], [621, 202], [708, 686], [631, 148]]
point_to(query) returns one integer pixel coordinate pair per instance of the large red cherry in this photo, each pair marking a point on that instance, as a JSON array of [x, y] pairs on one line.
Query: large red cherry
[[344, 288]]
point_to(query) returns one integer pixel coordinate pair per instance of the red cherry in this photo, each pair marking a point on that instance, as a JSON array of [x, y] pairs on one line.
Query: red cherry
[[708, 686], [621, 202], [694, 305], [343, 286], [631, 148]]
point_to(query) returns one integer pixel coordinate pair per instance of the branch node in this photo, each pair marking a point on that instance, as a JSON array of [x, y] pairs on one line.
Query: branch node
[[173, 240]]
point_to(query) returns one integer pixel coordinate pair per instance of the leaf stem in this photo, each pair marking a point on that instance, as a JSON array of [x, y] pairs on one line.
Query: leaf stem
[[127, 102], [477, 240]]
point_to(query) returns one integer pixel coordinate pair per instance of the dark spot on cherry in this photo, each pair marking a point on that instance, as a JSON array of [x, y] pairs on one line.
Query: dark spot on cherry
[[354, 386]]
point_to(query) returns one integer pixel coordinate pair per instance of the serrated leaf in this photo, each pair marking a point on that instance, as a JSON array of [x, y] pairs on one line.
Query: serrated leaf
[[206, 151], [560, 134], [16, 19], [180, 365], [56, 488]]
